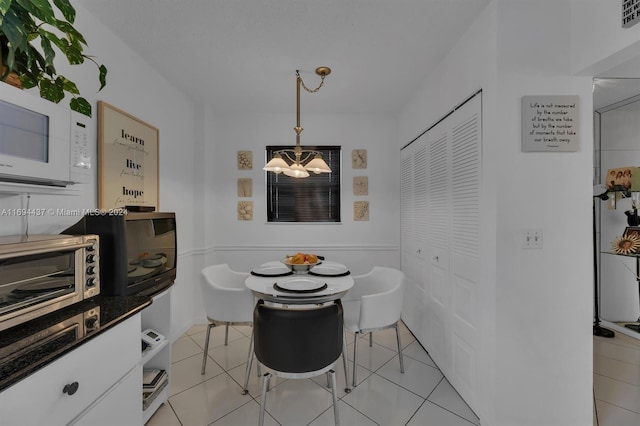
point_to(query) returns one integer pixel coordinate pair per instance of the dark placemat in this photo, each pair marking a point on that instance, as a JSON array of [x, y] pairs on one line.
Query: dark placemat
[[285, 290], [343, 274], [258, 274]]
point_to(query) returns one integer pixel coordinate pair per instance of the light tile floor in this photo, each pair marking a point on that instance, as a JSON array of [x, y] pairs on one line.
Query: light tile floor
[[421, 396], [616, 380]]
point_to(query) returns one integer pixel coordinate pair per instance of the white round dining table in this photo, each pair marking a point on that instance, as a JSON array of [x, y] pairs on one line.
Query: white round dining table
[[274, 288]]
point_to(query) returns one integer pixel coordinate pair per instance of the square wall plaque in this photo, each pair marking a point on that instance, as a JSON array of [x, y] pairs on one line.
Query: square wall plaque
[[360, 185], [360, 210], [245, 160], [245, 210], [550, 123], [359, 159], [245, 187]]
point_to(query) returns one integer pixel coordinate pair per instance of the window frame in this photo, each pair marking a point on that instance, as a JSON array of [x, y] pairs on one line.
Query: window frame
[[334, 195]]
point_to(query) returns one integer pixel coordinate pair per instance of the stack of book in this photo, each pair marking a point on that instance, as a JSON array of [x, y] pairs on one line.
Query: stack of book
[[153, 381]]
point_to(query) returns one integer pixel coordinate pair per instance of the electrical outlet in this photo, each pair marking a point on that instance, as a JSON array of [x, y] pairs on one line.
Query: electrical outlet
[[532, 238]]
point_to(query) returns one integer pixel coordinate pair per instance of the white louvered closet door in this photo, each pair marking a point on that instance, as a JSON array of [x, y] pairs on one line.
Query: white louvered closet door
[[413, 236], [450, 224], [466, 135]]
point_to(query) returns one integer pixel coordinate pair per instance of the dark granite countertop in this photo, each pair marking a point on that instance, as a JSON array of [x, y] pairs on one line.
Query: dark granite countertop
[[28, 347]]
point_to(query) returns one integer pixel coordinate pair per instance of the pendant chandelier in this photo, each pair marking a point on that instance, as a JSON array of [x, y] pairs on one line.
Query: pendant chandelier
[[298, 165]]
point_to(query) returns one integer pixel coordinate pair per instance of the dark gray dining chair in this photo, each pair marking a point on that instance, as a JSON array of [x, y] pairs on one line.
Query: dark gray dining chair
[[298, 343]]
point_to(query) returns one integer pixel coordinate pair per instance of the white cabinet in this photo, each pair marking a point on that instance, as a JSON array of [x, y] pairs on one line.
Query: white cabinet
[[120, 406], [80, 381], [157, 316], [440, 242]]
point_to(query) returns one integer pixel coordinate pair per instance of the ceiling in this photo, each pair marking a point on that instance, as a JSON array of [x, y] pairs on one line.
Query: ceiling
[[241, 55]]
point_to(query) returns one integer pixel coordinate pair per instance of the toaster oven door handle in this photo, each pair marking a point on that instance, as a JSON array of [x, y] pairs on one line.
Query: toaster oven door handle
[[46, 250]]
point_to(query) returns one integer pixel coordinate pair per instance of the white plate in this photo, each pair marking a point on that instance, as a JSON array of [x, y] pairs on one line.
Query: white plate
[[273, 270], [327, 268], [301, 284]]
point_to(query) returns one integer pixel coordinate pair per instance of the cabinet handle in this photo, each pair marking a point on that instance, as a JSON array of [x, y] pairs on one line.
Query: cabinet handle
[[70, 388]]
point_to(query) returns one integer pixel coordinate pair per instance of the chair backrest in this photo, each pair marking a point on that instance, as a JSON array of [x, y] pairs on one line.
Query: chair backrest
[[381, 292], [224, 294], [294, 340]]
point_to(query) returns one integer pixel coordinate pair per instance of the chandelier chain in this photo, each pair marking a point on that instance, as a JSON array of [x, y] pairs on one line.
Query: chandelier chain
[[304, 85]]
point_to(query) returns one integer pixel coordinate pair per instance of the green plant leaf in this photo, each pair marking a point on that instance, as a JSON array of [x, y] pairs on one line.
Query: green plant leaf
[[28, 81], [49, 54], [41, 9], [80, 105], [67, 10], [72, 33], [4, 6], [51, 91], [60, 43], [103, 77], [14, 29], [68, 85], [74, 55]]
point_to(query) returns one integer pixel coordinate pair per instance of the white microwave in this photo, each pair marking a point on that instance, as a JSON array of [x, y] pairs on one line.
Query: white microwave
[[41, 142]]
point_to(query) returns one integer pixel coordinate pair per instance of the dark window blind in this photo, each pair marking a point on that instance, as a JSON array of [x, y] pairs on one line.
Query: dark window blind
[[312, 199]]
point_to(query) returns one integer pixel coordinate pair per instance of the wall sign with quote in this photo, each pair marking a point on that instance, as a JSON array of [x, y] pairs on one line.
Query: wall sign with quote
[[630, 13], [550, 123], [128, 154]]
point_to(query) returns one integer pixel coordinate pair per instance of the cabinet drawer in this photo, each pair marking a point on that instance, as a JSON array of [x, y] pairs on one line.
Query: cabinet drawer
[[121, 406], [95, 367]]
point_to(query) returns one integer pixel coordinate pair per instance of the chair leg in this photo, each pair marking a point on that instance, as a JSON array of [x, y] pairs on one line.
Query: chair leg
[[263, 399], [332, 375], [245, 388], [345, 362], [226, 335], [355, 357], [399, 348], [206, 348]]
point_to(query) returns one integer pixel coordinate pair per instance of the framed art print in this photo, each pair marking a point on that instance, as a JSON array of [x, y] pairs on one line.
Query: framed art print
[[128, 160]]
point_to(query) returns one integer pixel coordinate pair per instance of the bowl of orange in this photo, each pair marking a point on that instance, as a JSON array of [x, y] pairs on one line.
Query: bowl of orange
[[301, 263]]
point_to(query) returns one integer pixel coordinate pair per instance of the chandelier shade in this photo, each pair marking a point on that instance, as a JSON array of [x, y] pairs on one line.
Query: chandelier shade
[[318, 165], [299, 165], [276, 165], [296, 171]]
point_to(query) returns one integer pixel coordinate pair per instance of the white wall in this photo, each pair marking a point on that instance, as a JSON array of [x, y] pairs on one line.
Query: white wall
[[544, 297], [598, 41], [245, 244], [135, 87], [536, 365]]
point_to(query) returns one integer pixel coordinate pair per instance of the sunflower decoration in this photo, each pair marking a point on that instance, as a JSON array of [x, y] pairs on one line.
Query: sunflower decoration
[[626, 244]]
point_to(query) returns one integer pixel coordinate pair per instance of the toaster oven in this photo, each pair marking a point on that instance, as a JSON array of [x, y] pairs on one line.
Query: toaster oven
[[40, 274]]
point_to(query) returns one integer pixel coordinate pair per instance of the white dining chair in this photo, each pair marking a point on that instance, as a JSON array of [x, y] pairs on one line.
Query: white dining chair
[[374, 303], [227, 301]]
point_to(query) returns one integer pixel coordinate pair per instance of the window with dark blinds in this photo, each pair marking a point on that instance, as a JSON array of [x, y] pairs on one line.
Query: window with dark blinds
[[312, 199]]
